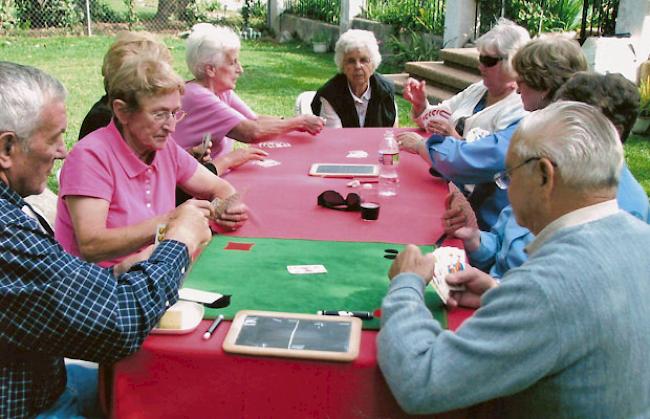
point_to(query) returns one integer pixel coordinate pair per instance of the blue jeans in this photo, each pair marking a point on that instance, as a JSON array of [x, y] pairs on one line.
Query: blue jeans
[[79, 400]]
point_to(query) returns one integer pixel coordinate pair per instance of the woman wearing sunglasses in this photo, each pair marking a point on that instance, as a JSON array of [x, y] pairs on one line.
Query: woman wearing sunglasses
[[470, 147], [488, 105]]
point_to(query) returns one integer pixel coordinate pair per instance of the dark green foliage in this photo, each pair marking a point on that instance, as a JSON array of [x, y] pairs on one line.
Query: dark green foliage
[[48, 14], [325, 10], [536, 16], [417, 15], [410, 46]]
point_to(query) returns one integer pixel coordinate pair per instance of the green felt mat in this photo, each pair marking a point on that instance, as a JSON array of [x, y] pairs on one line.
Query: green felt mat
[[258, 279]]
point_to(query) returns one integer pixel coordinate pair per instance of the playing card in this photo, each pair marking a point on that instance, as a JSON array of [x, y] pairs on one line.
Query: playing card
[[357, 154], [448, 260], [267, 163], [205, 142], [198, 296], [274, 144], [306, 269]]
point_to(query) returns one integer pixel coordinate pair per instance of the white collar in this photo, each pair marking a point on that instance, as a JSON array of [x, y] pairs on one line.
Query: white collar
[[365, 97], [574, 218]]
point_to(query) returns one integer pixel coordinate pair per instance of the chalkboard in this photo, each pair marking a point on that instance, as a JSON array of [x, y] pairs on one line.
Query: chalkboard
[[294, 335]]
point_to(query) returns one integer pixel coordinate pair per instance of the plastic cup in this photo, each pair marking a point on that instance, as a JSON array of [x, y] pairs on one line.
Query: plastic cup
[[369, 211]]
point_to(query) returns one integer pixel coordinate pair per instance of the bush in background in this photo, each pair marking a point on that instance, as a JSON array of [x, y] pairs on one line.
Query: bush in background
[[414, 15], [327, 11]]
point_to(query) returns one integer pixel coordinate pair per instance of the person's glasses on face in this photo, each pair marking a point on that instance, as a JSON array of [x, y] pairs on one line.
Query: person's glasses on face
[[163, 116], [488, 60], [503, 178]]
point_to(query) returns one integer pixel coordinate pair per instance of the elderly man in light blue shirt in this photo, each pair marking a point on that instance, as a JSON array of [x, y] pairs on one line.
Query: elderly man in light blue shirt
[[567, 333]]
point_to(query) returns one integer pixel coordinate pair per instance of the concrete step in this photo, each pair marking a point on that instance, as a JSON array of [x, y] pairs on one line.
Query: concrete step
[[435, 94], [465, 57], [441, 74]]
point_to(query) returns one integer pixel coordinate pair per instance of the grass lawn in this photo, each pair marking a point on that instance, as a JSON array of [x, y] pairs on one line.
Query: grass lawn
[[273, 76]]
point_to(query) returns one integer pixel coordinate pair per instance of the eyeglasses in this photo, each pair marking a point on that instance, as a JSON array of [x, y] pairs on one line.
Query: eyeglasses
[[334, 200], [489, 61], [163, 116], [503, 179]]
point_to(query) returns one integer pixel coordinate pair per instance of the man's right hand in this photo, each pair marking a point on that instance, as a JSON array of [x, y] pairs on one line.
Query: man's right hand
[[476, 282], [411, 260], [188, 224]]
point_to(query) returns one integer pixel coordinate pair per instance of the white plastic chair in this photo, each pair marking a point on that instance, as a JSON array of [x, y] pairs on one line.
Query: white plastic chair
[[303, 103]]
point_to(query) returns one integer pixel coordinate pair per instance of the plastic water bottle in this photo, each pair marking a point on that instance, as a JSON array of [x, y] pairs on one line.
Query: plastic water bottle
[[388, 161]]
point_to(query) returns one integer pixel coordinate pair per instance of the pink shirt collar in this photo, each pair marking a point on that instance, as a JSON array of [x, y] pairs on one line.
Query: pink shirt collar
[[127, 158]]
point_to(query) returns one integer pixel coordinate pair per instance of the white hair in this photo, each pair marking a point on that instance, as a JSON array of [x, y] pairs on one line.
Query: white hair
[[353, 40], [503, 40], [208, 44], [578, 138], [24, 92]]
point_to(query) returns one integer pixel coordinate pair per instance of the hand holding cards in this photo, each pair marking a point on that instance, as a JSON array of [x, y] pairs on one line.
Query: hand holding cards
[[448, 260], [229, 212]]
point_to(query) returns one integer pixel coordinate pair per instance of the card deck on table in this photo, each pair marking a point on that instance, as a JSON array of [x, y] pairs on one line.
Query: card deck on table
[[306, 269]]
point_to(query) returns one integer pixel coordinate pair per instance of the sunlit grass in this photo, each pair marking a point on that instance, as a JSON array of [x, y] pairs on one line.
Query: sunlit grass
[[274, 74]]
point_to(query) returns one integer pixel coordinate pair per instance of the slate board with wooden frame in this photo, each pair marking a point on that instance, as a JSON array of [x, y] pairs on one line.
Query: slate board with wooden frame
[[294, 335]]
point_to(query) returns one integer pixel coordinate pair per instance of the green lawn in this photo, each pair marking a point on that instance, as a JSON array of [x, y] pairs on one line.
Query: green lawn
[[273, 76]]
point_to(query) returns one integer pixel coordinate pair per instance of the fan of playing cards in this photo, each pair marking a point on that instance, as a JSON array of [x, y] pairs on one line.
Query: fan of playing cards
[[448, 260]]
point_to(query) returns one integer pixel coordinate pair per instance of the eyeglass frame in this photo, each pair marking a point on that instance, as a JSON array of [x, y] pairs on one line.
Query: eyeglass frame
[[161, 117], [503, 178], [489, 60]]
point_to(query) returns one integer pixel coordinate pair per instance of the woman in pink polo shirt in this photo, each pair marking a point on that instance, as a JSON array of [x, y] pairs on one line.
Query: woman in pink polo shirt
[[118, 183], [214, 108]]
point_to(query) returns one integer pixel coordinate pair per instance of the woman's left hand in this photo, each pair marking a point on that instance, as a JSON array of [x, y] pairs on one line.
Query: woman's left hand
[[437, 126]]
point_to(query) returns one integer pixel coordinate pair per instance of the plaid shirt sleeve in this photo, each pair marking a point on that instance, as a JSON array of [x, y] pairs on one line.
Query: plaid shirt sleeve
[[53, 305]]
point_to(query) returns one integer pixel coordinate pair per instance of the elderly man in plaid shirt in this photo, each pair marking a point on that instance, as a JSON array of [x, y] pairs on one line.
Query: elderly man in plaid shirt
[[52, 304]]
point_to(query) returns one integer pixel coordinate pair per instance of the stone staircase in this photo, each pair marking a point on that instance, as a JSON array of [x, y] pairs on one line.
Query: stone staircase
[[457, 70]]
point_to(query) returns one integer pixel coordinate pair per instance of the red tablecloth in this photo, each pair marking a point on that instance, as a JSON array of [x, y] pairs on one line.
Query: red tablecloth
[[282, 198], [184, 376]]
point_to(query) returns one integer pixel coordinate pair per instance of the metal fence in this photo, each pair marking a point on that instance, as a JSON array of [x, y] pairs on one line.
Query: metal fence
[[585, 17], [98, 16]]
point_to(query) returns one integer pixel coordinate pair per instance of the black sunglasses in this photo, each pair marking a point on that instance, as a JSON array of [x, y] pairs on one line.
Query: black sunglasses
[[334, 200], [489, 61]]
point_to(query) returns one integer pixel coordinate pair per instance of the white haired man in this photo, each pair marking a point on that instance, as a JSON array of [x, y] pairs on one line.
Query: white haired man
[[567, 333], [52, 304]]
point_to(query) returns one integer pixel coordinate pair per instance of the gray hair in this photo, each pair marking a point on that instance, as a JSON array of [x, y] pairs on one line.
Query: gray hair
[[208, 44], [24, 92], [353, 40], [578, 138], [503, 40]]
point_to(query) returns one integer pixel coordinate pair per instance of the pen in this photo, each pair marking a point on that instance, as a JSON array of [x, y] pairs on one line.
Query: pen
[[213, 327], [363, 315]]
